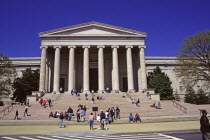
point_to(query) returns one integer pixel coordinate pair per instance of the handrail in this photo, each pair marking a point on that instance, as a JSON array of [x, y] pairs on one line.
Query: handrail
[[57, 99], [179, 106], [6, 111], [129, 96]]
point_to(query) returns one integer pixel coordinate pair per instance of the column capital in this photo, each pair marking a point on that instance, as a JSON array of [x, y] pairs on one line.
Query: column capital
[[142, 46], [115, 46], [129, 46], [86, 46], [100, 46], [72, 46], [57, 47], [43, 47]]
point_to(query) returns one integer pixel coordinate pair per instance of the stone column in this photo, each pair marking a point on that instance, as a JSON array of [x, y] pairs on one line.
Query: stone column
[[86, 69], [100, 69], [115, 69], [56, 84], [47, 73], [71, 68], [130, 69], [50, 72], [42, 69], [143, 68]]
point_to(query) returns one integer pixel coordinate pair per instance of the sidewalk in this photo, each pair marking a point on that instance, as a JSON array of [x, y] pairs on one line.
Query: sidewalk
[[84, 129], [51, 126]]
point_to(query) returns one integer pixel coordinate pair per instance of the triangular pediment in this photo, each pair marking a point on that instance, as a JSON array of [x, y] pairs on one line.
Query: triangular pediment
[[92, 29]]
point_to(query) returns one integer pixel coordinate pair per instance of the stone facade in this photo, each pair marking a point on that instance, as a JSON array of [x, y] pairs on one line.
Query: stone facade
[[92, 56], [167, 64]]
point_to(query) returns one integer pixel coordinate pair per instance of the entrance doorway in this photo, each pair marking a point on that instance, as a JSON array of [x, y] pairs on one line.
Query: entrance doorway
[[62, 85], [125, 84], [94, 79]]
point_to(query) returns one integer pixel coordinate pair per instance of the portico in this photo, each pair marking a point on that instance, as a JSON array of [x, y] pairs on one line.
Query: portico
[[71, 56]]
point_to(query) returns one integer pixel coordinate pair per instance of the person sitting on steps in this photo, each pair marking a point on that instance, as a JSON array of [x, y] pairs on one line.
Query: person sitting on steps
[[153, 105], [130, 118], [158, 106]]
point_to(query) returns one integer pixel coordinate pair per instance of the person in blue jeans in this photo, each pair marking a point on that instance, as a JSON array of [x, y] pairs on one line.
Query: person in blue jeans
[[83, 114], [91, 120], [158, 106], [130, 117], [61, 120]]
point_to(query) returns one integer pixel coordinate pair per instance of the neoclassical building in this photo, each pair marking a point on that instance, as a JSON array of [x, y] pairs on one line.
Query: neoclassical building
[[91, 56]]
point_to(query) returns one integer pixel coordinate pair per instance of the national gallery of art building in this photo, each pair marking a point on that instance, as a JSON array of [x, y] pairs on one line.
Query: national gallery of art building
[[92, 56]]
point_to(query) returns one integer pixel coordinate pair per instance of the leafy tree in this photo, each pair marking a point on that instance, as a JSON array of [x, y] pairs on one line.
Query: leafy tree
[[26, 84], [159, 81], [201, 97], [190, 96], [7, 74], [194, 60]]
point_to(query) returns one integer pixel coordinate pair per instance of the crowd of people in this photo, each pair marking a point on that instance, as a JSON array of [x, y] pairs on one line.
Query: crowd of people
[[104, 117], [80, 114]]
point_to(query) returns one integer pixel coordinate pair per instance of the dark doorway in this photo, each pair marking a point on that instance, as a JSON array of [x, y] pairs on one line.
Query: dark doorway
[[94, 79], [125, 84], [62, 85]]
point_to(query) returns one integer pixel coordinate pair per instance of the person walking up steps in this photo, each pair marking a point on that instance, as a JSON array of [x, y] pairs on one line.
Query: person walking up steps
[[117, 112], [92, 100], [16, 115], [26, 111], [86, 96]]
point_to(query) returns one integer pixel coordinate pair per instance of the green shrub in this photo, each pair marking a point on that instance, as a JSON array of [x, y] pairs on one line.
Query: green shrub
[[193, 98], [201, 97], [190, 96]]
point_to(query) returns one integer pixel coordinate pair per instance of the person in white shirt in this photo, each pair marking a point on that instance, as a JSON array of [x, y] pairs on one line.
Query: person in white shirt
[[107, 117], [98, 118]]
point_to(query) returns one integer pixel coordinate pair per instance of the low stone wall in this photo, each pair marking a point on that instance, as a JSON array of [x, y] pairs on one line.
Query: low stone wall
[[31, 98], [154, 97]]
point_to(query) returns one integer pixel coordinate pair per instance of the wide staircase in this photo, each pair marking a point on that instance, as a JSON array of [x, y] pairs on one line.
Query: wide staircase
[[61, 103]]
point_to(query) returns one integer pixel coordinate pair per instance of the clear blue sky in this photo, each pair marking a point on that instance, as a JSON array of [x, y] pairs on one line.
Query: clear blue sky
[[166, 22]]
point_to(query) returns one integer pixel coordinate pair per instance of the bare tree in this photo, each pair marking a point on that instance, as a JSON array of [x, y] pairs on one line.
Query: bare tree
[[194, 60]]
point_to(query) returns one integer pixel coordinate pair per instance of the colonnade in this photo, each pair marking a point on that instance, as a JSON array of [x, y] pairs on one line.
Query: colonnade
[[44, 74]]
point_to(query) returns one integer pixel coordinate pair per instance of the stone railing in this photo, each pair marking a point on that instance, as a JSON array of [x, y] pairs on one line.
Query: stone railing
[[57, 100], [129, 96], [179, 106], [6, 111]]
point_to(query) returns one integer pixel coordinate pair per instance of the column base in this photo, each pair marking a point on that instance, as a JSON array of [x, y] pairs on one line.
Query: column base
[[68, 92], [86, 91], [115, 91], [131, 91], [56, 92], [101, 91], [142, 90]]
